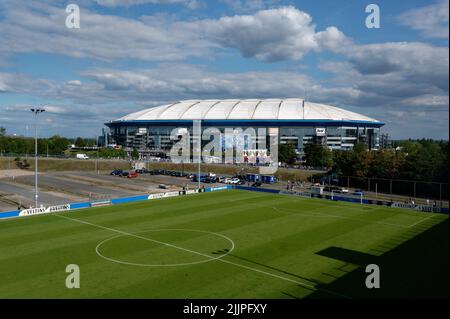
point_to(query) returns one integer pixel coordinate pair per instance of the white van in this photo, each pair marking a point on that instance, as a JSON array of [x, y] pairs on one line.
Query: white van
[[82, 156]]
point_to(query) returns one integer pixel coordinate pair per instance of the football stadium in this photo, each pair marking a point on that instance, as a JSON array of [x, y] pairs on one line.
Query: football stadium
[[295, 121]]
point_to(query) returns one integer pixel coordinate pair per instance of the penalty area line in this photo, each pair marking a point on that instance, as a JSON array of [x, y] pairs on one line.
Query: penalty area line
[[303, 284]]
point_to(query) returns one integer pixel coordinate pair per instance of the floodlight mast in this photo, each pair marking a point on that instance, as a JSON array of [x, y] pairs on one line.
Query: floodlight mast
[[198, 129], [36, 111]]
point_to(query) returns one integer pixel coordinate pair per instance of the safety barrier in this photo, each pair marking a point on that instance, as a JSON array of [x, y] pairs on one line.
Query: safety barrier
[[83, 205], [129, 199], [218, 188], [13, 213], [44, 210], [80, 205], [100, 203], [403, 205]]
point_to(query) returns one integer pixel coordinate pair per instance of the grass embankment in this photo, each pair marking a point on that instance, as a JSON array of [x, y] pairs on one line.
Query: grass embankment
[[53, 164]]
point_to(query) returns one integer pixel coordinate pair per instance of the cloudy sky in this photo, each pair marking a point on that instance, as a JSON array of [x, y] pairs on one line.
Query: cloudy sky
[[133, 54]]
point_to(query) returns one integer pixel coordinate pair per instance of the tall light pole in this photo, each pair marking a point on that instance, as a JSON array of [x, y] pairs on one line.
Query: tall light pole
[[36, 111]]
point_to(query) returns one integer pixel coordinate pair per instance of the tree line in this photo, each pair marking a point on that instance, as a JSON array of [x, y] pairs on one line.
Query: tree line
[[423, 160], [53, 146]]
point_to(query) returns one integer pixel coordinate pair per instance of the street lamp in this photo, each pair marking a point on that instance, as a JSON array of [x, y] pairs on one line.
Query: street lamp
[[36, 111]]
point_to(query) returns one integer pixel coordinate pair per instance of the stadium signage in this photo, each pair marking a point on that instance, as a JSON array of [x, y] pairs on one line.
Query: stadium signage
[[320, 132], [43, 210], [163, 195], [219, 188]]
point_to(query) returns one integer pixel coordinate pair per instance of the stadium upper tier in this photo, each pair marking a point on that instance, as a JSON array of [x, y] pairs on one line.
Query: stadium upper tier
[[249, 110]]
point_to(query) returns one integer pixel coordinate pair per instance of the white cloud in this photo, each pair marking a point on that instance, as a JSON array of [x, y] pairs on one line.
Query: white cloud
[[431, 20], [272, 35], [129, 3], [104, 37]]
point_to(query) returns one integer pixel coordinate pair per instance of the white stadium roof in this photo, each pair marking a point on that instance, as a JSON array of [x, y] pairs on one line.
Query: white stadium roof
[[253, 109]]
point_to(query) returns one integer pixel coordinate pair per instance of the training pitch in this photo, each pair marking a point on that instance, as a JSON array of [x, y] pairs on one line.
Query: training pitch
[[227, 244]]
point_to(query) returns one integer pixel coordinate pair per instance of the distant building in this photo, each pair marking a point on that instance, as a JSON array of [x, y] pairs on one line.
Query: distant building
[[385, 141]]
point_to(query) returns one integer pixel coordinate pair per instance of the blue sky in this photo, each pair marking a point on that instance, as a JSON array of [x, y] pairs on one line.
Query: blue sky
[[134, 54]]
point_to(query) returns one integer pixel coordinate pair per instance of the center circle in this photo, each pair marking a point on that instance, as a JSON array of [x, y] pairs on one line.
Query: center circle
[[199, 246]]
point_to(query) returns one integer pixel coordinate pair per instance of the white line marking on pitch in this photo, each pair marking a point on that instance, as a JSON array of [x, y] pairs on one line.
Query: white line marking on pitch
[[97, 249], [420, 221], [204, 255], [322, 215]]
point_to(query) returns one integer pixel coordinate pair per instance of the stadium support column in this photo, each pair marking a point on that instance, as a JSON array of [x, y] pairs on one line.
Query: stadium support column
[[36, 111]]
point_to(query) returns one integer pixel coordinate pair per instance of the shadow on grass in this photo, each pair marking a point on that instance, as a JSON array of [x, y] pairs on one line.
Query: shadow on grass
[[416, 268], [414, 265]]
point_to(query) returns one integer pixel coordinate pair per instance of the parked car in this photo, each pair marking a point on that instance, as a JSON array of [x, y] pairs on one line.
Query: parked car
[[116, 172], [125, 174], [233, 181], [82, 156], [221, 179], [133, 175], [359, 192], [256, 184], [210, 179]]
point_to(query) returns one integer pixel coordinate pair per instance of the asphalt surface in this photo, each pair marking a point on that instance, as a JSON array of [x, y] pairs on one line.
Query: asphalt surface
[[67, 187]]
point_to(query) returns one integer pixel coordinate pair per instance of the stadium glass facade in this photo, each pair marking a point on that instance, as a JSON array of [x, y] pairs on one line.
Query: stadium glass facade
[[157, 137]]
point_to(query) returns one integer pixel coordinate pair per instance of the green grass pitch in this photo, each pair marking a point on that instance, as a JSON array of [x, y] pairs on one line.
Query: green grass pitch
[[227, 244]]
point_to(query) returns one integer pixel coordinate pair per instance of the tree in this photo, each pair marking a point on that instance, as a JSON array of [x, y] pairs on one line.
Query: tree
[[135, 154], [2, 131], [80, 142], [287, 154], [318, 156]]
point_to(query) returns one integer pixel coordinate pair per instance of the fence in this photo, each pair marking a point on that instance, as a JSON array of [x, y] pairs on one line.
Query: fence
[[380, 187]]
